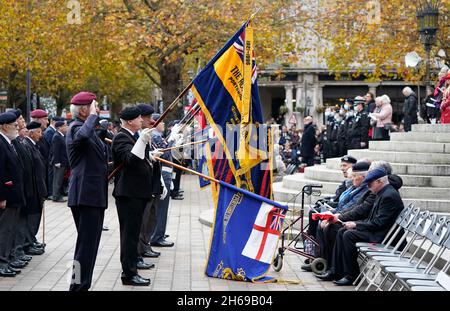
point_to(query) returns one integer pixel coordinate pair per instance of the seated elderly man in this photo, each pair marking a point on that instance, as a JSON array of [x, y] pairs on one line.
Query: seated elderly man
[[386, 208], [346, 164]]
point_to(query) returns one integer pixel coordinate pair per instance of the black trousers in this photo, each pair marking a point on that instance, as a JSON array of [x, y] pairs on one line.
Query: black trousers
[[176, 180], [148, 227], [89, 224], [309, 161], [313, 224], [345, 254], [130, 212], [58, 179], [34, 222], [21, 240], [162, 209], [326, 238], [49, 179], [9, 218]]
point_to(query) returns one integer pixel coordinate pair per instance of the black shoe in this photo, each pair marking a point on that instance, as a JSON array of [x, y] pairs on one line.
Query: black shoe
[[25, 258], [345, 281], [327, 276], [178, 197], [151, 254], [163, 243], [59, 200], [15, 270], [18, 264], [136, 280], [166, 236], [141, 265], [7, 273], [35, 251], [105, 228], [39, 245]]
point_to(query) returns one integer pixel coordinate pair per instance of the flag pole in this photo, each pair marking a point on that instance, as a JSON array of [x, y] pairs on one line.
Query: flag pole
[[188, 170]]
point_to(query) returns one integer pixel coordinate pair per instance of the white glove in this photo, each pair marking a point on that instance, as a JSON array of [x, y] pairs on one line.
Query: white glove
[[139, 147], [171, 185], [57, 165], [154, 153], [179, 140], [175, 130], [165, 191]]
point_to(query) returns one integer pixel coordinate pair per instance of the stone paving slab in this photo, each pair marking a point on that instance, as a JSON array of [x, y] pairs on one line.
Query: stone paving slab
[[179, 268]]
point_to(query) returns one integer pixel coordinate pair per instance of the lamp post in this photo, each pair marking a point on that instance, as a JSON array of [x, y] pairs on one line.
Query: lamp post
[[427, 18]]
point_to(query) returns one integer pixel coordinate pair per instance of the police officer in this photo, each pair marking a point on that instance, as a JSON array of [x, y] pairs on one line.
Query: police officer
[[11, 190], [133, 189], [88, 186], [359, 131]]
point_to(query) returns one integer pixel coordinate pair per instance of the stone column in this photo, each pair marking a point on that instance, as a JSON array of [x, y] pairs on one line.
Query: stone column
[[289, 104]]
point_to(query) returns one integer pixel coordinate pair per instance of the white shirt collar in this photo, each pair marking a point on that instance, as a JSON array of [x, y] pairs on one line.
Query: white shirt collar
[[132, 134], [61, 133], [6, 137], [31, 140], [53, 127]]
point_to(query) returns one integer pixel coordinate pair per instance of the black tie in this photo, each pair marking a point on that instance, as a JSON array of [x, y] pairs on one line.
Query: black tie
[[136, 135]]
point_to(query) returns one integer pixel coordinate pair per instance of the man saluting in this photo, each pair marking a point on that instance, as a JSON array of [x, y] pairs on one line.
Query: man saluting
[[88, 186]]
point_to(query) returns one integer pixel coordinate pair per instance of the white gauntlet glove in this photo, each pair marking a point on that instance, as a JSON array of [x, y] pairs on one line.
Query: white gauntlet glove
[[175, 130], [154, 154], [165, 191], [139, 147]]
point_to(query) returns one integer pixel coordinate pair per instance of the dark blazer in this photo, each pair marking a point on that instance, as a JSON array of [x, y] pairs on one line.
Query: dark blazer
[[308, 141], [11, 175], [135, 179], [48, 135], [59, 150], [38, 190], [88, 160], [361, 209], [44, 148], [388, 205]]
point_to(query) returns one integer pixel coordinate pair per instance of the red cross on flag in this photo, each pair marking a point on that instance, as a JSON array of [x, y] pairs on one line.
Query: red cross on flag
[[263, 240]]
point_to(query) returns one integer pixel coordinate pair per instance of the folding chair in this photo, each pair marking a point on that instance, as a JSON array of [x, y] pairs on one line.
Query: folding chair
[[442, 283], [415, 225]]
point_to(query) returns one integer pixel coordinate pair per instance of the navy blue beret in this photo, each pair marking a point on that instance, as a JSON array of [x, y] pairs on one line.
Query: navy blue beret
[[146, 110], [130, 113], [59, 123], [18, 112], [7, 117]]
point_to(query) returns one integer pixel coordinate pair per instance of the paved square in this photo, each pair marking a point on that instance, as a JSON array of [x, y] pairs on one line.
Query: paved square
[[179, 268]]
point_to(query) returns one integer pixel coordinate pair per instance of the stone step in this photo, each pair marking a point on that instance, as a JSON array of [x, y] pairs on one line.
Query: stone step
[[322, 173], [405, 168], [402, 157], [281, 194], [421, 137], [431, 128], [405, 146], [297, 181]]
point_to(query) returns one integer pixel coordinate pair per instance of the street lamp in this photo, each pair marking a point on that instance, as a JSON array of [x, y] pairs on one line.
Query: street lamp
[[427, 18]]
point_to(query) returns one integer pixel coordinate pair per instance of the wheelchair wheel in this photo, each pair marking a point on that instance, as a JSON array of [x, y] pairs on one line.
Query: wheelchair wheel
[[278, 263], [319, 265]]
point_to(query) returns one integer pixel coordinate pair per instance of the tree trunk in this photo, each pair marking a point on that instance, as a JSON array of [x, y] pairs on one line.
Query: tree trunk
[[171, 86]]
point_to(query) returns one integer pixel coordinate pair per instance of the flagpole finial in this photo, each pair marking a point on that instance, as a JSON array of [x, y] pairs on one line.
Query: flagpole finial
[[253, 15]]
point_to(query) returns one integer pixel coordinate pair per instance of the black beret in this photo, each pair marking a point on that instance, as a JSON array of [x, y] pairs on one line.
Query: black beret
[[18, 112], [349, 159], [361, 166], [33, 125], [130, 113], [58, 119], [8, 117], [60, 123], [146, 110]]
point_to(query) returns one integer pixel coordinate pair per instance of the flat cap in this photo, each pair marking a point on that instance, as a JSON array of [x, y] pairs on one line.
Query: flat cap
[[375, 174], [83, 98], [59, 123], [7, 117], [349, 159], [361, 166], [130, 113], [146, 110], [33, 125], [39, 113]]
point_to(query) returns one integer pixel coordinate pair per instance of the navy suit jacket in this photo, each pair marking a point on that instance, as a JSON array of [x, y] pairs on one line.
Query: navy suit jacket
[[48, 134], [59, 150], [88, 159], [11, 176]]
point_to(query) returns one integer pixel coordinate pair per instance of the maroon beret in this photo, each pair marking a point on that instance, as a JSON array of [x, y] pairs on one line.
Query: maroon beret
[[83, 98], [39, 113]]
